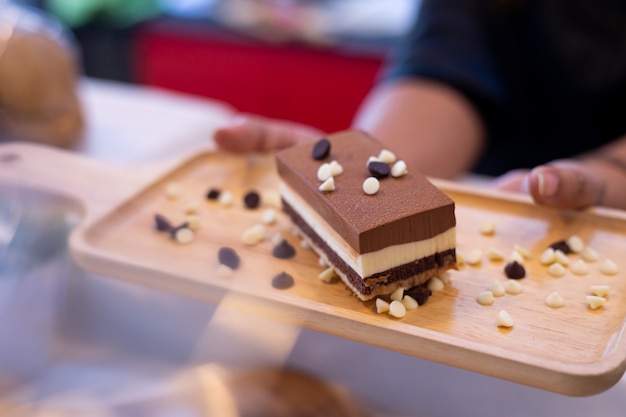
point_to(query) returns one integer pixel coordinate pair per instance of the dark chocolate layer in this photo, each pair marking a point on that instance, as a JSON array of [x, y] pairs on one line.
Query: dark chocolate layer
[[366, 286], [406, 209]]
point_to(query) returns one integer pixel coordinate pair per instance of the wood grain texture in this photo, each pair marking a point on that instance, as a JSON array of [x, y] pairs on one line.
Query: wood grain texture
[[572, 350]]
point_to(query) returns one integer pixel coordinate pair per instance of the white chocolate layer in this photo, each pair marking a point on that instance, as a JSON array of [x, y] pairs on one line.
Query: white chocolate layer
[[373, 262]]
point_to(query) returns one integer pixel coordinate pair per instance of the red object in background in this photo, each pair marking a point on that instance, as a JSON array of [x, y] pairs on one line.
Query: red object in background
[[316, 86]]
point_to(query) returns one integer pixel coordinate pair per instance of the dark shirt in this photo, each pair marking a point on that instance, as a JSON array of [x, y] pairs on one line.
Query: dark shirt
[[548, 77]]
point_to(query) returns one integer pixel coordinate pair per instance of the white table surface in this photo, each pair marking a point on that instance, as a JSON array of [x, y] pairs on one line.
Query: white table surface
[[75, 344]]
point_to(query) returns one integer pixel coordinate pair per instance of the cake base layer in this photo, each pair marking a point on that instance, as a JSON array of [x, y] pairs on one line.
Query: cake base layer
[[406, 276]]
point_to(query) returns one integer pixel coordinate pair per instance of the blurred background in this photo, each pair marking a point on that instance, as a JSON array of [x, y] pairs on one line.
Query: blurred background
[[310, 61]]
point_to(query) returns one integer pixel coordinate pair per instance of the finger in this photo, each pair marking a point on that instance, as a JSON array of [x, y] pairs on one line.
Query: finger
[[565, 186], [243, 135], [260, 134]]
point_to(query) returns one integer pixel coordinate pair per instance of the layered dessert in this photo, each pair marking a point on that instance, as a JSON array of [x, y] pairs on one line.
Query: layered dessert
[[399, 232]]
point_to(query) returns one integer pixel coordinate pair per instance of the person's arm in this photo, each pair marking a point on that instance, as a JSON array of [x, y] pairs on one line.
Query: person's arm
[[427, 123]]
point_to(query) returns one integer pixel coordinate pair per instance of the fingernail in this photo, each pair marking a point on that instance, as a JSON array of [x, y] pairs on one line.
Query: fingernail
[[548, 183]]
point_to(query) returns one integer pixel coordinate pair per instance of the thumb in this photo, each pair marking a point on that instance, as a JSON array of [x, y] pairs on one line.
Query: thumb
[[249, 133], [565, 185]]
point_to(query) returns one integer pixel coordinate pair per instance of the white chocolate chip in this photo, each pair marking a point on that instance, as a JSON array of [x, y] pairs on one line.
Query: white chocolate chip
[[253, 235], [382, 306], [600, 290], [304, 244], [497, 289], [328, 185], [547, 257], [387, 156], [487, 228], [328, 275], [399, 169], [335, 168], [324, 172], [561, 257], [271, 198], [225, 199], [397, 309], [193, 222], [371, 186], [579, 267], [608, 267], [409, 302], [555, 300], [474, 257], [512, 286], [522, 251], [485, 298], [595, 302], [269, 216], [397, 294], [445, 277], [505, 319], [435, 284], [495, 255], [575, 243], [589, 254], [224, 271], [322, 262], [515, 256], [172, 190], [556, 270], [372, 159], [184, 235]]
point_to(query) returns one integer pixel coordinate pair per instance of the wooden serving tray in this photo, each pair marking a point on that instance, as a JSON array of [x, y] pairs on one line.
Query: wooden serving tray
[[572, 350]]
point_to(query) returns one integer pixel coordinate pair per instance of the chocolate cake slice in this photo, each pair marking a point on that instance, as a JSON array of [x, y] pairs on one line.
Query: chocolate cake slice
[[398, 234]]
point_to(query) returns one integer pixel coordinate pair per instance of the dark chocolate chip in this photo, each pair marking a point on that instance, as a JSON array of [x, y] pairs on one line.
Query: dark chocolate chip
[[227, 256], [419, 294], [161, 223], [378, 169], [562, 246], [213, 194], [252, 199], [282, 281], [514, 270], [284, 250], [321, 149]]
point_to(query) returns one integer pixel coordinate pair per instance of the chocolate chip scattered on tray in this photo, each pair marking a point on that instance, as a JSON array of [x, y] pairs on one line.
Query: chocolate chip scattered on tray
[[252, 199], [283, 250], [182, 234], [213, 194], [562, 246], [514, 270], [378, 169], [174, 229], [227, 256], [161, 223], [282, 281], [321, 149], [419, 294]]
